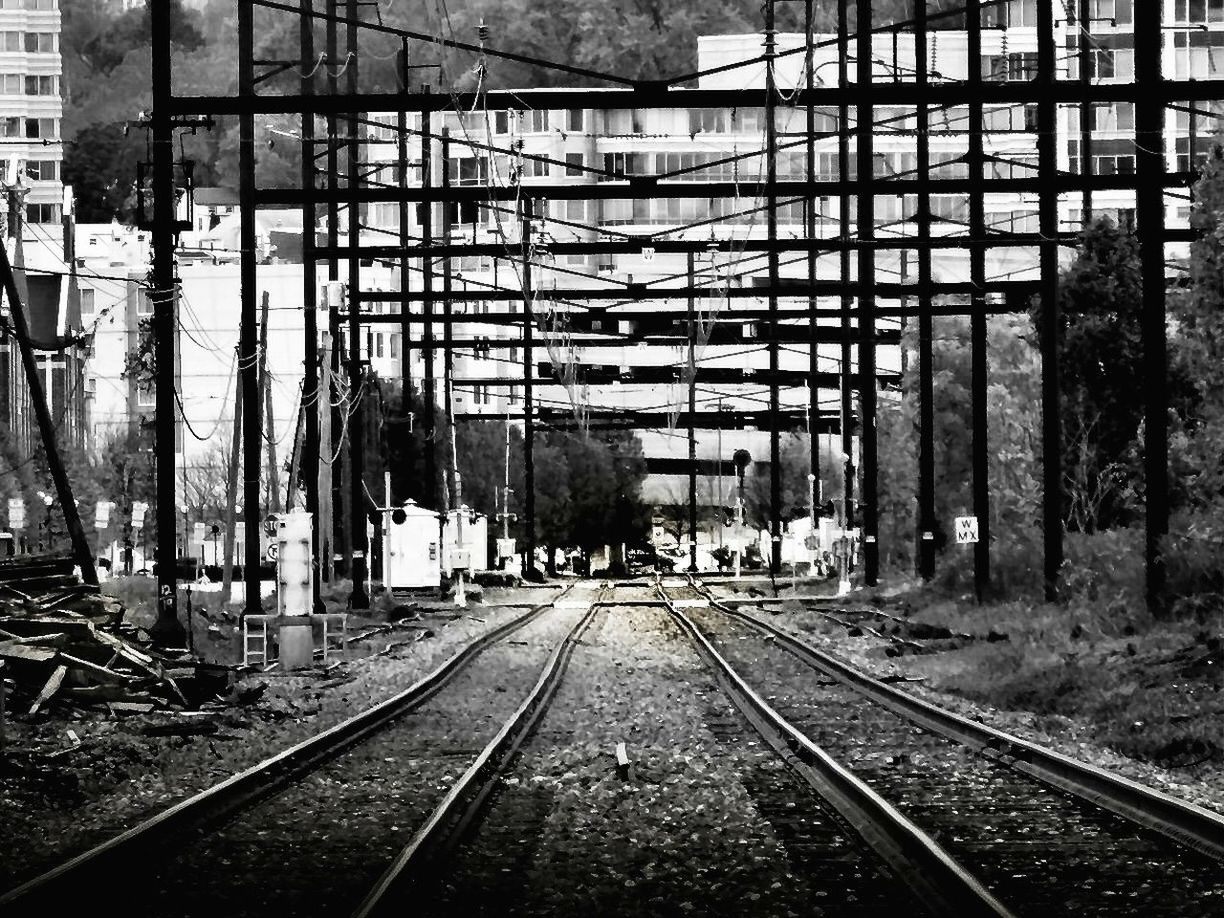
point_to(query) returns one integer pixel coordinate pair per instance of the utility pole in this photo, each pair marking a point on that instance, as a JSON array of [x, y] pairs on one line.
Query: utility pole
[[1150, 214], [809, 30], [327, 446], [844, 230], [1087, 67], [248, 356], [359, 598], [401, 140], [926, 386], [692, 413], [310, 292], [866, 289], [42, 413], [331, 368], [265, 400], [528, 397], [1051, 396], [427, 306], [448, 340], [771, 225], [977, 306], [231, 500], [164, 294]]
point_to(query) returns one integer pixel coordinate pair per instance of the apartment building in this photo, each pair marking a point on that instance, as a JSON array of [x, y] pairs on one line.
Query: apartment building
[[35, 201], [589, 146]]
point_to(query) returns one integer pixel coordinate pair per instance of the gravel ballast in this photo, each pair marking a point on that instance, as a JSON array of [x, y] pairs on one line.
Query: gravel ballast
[[1072, 736], [60, 798], [1040, 851], [711, 822]]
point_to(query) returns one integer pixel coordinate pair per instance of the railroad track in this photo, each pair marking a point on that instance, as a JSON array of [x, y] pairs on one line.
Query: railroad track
[[270, 830], [818, 812], [1045, 834]]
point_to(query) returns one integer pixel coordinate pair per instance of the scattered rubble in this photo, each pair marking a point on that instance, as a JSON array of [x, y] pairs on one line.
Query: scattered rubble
[[64, 643]]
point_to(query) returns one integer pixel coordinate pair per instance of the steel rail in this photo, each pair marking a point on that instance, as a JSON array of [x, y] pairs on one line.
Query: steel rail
[[1186, 823], [934, 877], [241, 790], [466, 796]]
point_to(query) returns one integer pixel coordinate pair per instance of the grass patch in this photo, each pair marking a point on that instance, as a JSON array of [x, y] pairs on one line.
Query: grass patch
[[1149, 689]]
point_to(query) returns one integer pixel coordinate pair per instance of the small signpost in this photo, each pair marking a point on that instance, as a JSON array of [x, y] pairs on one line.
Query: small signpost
[[966, 530], [16, 513]]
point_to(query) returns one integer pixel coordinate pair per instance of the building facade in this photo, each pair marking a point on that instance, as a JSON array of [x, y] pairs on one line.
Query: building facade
[[39, 212]]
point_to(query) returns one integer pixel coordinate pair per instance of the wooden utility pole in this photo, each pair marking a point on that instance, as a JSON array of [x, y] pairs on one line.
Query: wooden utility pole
[[265, 400], [42, 414], [164, 295], [231, 499], [327, 452]]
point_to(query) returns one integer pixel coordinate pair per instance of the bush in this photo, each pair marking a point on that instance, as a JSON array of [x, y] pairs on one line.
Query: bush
[[1192, 557], [1104, 567]]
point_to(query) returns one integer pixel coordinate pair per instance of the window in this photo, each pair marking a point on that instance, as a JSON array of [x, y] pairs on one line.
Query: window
[[575, 211], [472, 170], [11, 84], [10, 41], [43, 213], [42, 170], [534, 122], [573, 164], [1020, 65], [41, 127], [619, 165], [573, 119], [41, 86], [501, 122], [708, 120], [1197, 12], [40, 43], [35, 5], [394, 344], [87, 301]]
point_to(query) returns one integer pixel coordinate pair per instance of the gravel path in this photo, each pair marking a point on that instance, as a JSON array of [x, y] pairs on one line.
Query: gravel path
[[1041, 852], [711, 823], [56, 807], [316, 848]]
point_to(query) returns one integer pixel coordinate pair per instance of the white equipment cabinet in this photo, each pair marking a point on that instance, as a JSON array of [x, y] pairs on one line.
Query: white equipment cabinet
[[412, 549], [475, 541]]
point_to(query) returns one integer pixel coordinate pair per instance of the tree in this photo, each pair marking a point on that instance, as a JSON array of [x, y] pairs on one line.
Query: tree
[[796, 466], [1014, 410], [1197, 354], [1101, 356], [100, 165]]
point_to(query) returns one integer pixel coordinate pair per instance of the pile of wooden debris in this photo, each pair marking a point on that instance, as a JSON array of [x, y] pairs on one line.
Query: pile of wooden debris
[[63, 643]]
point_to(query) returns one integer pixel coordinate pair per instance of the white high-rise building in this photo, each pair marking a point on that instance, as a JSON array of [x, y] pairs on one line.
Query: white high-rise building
[[31, 108]]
